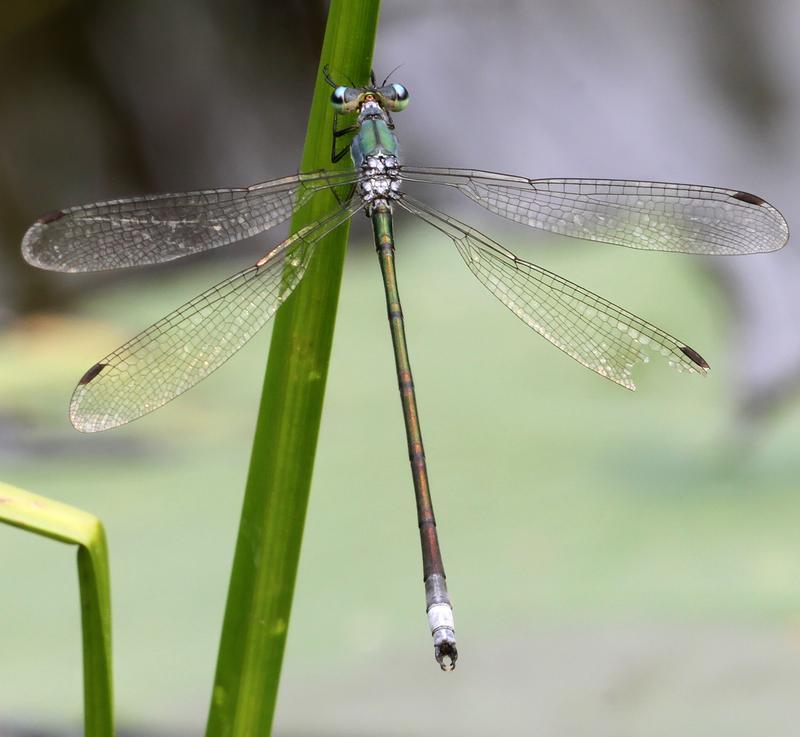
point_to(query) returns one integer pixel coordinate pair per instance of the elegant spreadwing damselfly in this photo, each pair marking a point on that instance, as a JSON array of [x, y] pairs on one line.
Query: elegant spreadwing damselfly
[[184, 347]]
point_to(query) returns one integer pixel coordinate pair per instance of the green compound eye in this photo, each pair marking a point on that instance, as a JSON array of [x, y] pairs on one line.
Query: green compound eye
[[395, 97], [346, 99], [339, 99], [402, 96]]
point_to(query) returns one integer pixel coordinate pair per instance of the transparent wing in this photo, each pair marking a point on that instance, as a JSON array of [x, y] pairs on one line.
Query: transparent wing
[[595, 332], [656, 216], [184, 347], [156, 228]]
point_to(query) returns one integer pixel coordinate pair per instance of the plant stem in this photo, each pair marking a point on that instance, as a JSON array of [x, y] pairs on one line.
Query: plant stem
[[276, 496]]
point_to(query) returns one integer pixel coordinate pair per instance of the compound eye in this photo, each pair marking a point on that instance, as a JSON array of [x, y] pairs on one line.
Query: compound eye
[[396, 97], [339, 99], [402, 93]]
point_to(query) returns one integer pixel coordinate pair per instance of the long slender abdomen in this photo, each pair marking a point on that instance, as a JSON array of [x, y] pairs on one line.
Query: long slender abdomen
[[437, 599]]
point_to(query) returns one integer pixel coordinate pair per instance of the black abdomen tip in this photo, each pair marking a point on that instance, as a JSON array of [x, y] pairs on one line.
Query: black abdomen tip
[[695, 357]]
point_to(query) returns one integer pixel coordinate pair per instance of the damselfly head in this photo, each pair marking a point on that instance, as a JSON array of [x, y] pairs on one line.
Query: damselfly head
[[391, 97]]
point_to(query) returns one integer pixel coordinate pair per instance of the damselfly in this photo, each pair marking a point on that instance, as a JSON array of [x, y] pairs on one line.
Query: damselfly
[[187, 345]]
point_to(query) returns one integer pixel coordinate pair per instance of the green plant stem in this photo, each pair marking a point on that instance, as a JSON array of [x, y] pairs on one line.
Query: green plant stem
[[73, 526], [271, 527]]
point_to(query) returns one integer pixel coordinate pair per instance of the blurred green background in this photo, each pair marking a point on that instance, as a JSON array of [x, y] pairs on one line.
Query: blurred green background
[[620, 563]]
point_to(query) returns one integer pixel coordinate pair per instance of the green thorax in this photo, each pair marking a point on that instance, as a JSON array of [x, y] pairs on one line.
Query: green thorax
[[373, 139]]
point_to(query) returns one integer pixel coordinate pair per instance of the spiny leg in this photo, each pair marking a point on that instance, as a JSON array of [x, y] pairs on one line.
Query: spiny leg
[[339, 155]]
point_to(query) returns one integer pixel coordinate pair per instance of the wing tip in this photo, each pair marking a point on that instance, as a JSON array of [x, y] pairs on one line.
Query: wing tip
[[750, 199], [89, 423], [80, 426], [78, 419], [32, 242], [780, 240], [50, 217], [695, 358], [91, 373], [81, 419]]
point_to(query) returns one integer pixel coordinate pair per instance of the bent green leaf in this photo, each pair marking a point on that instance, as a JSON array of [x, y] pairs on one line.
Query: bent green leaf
[[73, 526]]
